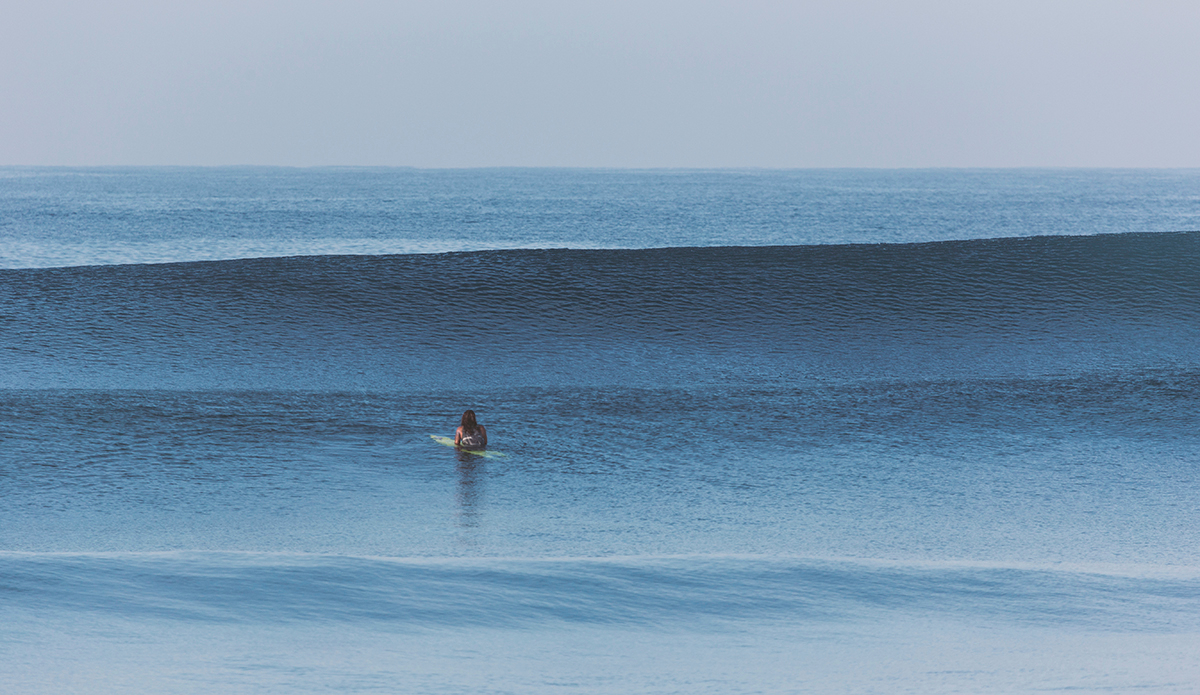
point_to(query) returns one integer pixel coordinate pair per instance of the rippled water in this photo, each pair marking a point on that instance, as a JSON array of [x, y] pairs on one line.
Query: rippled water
[[73, 216], [758, 459]]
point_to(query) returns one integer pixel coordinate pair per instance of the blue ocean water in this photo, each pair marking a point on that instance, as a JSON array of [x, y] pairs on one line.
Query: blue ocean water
[[766, 431]]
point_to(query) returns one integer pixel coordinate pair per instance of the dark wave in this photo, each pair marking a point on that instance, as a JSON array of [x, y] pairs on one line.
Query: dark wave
[[1008, 307]]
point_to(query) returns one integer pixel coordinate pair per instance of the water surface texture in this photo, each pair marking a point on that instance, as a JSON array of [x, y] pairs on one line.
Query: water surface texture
[[833, 431], [65, 217]]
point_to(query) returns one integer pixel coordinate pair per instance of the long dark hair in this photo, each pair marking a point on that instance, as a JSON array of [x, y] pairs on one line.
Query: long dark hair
[[468, 422]]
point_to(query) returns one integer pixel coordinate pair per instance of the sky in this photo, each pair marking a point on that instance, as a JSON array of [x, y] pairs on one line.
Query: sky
[[617, 83]]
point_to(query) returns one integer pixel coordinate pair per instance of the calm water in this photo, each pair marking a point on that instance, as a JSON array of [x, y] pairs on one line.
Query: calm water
[[859, 431]]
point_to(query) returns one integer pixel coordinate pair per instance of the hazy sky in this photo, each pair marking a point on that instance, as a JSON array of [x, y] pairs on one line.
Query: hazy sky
[[457, 83]]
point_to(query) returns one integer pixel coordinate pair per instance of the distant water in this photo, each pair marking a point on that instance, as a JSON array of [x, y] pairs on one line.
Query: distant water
[[69, 217], [860, 431]]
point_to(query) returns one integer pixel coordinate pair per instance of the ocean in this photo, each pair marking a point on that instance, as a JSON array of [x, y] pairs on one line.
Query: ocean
[[763, 431]]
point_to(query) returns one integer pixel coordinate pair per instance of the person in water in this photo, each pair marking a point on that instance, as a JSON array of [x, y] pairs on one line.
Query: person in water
[[470, 434]]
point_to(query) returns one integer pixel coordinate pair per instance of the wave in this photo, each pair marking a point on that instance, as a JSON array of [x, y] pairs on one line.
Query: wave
[[1007, 307], [642, 591]]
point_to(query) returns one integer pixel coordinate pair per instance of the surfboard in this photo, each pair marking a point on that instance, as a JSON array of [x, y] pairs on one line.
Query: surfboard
[[449, 441]]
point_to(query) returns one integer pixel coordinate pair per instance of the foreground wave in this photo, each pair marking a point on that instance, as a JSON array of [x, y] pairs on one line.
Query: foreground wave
[[431, 593]]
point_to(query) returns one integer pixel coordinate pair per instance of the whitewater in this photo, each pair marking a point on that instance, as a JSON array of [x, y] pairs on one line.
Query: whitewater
[[766, 431]]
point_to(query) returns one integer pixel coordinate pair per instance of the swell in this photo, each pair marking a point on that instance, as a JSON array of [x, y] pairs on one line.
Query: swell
[[1005, 307], [645, 591]]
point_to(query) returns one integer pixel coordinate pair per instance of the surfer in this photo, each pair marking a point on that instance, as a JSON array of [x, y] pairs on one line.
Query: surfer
[[470, 434]]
